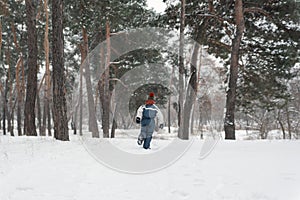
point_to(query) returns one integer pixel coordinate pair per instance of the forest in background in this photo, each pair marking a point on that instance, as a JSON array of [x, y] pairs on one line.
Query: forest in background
[[44, 46]]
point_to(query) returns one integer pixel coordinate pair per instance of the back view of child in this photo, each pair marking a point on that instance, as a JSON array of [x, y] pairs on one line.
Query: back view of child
[[146, 115]]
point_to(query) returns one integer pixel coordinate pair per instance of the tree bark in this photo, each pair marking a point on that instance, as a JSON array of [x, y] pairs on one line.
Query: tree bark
[[105, 85], [59, 100], [4, 106], [19, 96], [31, 88], [229, 124], [80, 100], [181, 134], [169, 114], [191, 93], [46, 112], [9, 106], [93, 127], [18, 83], [281, 124], [39, 114]]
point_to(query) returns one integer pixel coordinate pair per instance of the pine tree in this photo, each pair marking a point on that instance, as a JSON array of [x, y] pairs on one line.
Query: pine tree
[[214, 22], [59, 99], [31, 89]]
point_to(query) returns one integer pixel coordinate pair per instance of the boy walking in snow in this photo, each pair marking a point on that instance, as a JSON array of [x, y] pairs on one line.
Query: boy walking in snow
[[146, 115]]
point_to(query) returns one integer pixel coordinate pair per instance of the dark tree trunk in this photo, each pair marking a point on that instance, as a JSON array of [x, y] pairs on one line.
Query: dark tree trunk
[[288, 121], [12, 125], [113, 128], [39, 113], [44, 120], [31, 89], [229, 125], [46, 113], [5, 106], [19, 118], [114, 123], [105, 115], [8, 119], [181, 134], [281, 124], [59, 100], [105, 85], [80, 99], [10, 104], [49, 118], [19, 97], [74, 121], [4, 112]]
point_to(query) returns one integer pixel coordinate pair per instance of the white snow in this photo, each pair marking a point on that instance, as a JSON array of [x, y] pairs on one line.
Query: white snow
[[157, 5], [35, 168]]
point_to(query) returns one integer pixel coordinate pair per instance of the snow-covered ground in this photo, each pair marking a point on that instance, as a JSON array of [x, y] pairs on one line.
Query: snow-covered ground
[[41, 168]]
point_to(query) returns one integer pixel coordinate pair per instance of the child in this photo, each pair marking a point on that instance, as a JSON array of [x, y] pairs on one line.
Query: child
[[146, 115]]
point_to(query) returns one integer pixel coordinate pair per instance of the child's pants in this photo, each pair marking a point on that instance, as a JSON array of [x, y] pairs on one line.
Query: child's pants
[[147, 141]]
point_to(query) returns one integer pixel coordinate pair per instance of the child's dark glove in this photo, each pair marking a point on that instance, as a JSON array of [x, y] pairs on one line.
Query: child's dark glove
[[138, 120], [161, 126]]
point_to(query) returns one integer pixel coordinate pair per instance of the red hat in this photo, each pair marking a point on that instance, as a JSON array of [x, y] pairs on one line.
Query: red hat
[[151, 95], [150, 99]]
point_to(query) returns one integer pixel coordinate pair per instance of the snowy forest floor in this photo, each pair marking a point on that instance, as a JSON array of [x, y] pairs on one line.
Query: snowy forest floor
[[35, 168]]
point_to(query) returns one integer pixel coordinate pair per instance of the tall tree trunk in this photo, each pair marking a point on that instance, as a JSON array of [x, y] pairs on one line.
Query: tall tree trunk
[[105, 85], [18, 84], [181, 134], [59, 90], [191, 93], [46, 113], [80, 100], [31, 89], [9, 86], [19, 96], [93, 127], [23, 86], [229, 124]]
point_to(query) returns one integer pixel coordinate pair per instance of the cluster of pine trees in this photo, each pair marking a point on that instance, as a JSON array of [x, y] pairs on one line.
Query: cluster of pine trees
[[44, 44]]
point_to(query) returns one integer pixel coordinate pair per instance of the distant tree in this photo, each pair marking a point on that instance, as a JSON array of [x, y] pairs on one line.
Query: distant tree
[[266, 23], [97, 18], [13, 47]]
